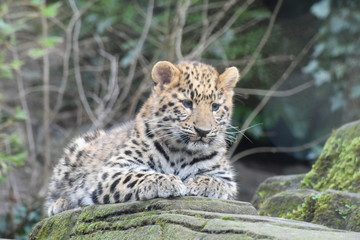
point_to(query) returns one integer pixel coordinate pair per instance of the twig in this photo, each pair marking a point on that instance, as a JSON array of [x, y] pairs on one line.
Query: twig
[[137, 51], [208, 39], [278, 83], [25, 107], [46, 102], [112, 92], [76, 57], [285, 93], [179, 26], [66, 56], [264, 39], [31, 156], [257, 150], [245, 60]]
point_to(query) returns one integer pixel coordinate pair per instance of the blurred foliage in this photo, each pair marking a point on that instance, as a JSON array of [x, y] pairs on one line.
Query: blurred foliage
[[12, 150], [333, 66], [19, 223], [335, 60]]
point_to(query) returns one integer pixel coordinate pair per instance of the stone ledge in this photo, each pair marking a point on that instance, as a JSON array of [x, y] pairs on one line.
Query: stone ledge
[[178, 218]]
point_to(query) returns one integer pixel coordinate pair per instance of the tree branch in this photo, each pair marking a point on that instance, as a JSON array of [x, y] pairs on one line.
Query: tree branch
[[264, 39], [270, 93], [137, 51], [285, 93], [257, 150], [77, 71]]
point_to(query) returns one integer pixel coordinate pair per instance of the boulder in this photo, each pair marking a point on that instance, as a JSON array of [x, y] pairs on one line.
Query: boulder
[[178, 218], [274, 185], [329, 194], [338, 166]]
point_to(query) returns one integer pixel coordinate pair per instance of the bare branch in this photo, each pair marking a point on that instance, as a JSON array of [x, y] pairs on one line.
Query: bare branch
[[285, 93], [245, 60], [277, 84], [66, 55], [76, 57], [46, 104], [264, 39], [257, 150], [208, 39], [179, 24], [24, 105], [137, 51], [107, 102]]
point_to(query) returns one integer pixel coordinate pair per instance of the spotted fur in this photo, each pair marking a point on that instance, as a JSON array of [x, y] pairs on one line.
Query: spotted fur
[[175, 146]]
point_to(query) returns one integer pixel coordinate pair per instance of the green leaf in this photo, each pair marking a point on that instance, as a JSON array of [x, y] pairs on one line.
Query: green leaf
[[5, 71], [337, 101], [321, 9], [17, 159], [101, 27], [16, 64], [321, 77], [355, 92], [36, 53], [310, 67], [49, 42], [51, 10], [4, 9], [5, 28], [318, 49], [37, 2], [19, 114]]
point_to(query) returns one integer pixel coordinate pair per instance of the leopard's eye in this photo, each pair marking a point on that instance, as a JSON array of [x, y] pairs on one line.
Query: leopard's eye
[[187, 103], [215, 107]]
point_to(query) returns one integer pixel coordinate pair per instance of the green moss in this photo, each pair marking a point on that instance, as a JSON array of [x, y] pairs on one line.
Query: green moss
[[273, 186], [338, 164], [331, 209], [58, 226], [140, 233], [354, 220], [281, 204], [228, 218]]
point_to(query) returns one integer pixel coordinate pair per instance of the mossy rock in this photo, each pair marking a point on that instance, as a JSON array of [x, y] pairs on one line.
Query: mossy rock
[[331, 208], [285, 202], [338, 166], [315, 197], [179, 218], [274, 185]]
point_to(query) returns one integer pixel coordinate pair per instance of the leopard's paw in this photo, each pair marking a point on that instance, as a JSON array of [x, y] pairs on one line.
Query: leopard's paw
[[58, 206], [207, 186], [161, 185]]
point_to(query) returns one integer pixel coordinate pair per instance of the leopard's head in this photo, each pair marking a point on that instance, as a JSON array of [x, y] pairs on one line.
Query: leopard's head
[[192, 103]]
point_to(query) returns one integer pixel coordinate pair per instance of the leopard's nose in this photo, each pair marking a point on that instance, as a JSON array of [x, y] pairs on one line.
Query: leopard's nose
[[201, 132]]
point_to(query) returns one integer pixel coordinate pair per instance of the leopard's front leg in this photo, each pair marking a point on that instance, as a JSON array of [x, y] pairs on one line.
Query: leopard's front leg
[[139, 185], [212, 187]]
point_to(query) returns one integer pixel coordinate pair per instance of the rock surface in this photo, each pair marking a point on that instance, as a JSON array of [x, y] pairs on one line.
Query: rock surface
[[338, 166], [329, 194], [179, 218]]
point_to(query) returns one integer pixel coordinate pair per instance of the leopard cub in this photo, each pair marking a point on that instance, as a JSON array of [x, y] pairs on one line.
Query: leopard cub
[[174, 147]]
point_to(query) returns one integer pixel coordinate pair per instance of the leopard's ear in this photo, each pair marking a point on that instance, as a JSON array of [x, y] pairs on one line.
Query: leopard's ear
[[165, 74], [229, 78]]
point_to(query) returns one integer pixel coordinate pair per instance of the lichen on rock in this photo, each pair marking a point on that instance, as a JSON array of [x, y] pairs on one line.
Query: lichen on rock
[[285, 202], [329, 194], [332, 208], [274, 185], [338, 166]]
